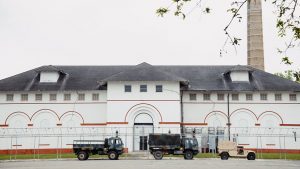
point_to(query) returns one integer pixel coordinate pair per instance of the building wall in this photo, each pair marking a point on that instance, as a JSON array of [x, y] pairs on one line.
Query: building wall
[[116, 111], [263, 116], [48, 113], [162, 106]]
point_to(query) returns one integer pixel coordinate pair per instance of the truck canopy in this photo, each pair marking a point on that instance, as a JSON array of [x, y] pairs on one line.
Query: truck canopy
[[164, 140], [227, 145]]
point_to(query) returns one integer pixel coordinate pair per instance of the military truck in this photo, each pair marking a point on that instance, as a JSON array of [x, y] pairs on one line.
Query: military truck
[[230, 149], [161, 144], [113, 147]]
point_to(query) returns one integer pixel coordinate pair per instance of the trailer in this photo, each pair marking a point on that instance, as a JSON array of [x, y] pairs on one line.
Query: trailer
[[113, 147], [161, 144]]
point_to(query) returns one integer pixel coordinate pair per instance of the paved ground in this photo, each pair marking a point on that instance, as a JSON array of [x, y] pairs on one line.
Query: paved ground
[[150, 164]]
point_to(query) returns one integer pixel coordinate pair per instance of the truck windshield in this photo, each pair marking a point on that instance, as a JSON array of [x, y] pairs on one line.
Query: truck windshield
[[118, 141], [191, 142]]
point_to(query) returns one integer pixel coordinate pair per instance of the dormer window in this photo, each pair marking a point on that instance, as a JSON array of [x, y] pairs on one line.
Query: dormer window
[[49, 74], [241, 76], [49, 77], [239, 73]]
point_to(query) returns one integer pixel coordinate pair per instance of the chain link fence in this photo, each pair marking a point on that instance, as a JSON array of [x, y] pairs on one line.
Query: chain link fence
[[59, 140]]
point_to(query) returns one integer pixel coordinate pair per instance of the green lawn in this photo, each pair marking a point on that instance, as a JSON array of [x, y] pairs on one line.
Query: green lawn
[[201, 155]]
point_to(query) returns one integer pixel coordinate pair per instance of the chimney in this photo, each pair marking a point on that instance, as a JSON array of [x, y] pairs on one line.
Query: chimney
[[255, 45]]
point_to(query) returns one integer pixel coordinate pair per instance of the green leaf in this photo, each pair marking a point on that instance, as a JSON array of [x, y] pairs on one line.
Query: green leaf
[[161, 11]]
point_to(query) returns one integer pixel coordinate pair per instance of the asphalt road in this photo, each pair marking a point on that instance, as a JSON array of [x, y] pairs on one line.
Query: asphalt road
[[150, 164]]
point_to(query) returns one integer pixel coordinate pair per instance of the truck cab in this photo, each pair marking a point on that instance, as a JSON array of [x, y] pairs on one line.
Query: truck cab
[[191, 145]]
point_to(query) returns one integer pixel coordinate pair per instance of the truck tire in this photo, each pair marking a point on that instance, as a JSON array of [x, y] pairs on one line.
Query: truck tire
[[158, 155], [251, 156], [112, 155], [188, 155], [224, 156], [82, 155]]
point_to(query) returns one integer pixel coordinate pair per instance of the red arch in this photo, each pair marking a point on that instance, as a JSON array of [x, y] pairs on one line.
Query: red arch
[[161, 120], [44, 110], [16, 113], [71, 112], [214, 112], [271, 112], [244, 109]]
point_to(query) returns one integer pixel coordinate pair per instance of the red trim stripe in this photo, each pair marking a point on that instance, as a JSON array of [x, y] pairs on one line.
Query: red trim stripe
[[289, 124], [93, 124], [117, 123]]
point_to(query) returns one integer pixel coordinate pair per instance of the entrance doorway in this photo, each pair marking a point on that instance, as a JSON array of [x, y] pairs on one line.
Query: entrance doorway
[[143, 125]]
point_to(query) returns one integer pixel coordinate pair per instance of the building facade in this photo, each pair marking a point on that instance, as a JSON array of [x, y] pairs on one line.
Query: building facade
[[144, 98]]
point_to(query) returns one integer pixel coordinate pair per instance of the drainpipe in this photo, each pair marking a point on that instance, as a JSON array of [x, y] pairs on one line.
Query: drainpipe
[[228, 117], [181, 113]]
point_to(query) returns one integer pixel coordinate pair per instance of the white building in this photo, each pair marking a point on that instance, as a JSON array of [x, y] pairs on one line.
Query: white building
[[145, 98]]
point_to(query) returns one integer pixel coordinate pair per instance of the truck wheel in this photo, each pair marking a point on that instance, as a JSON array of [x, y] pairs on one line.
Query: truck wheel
[[158, 155], [82, 155], [224, 156], [112, 155], [188, 155], [251, 156]]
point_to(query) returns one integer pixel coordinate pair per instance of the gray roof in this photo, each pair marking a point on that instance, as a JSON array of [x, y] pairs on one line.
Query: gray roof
[[144, 72], [207, 78]]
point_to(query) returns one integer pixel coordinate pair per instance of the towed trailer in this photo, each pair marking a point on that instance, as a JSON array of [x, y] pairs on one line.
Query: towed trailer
[[113, 147]]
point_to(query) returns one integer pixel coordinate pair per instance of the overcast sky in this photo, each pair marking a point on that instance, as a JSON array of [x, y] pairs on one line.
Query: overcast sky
[[124, 32]]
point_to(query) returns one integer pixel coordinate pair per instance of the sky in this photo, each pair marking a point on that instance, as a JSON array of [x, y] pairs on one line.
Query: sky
[[118, 32]]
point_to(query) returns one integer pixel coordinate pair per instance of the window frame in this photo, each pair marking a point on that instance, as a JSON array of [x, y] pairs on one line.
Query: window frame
[[220, 96], [262, 96], [127, 87], [235, 97], [294, 96], [81, 97], [159, 87], [95, 96], [10, 97], [143, 88], [37, 95], [193, 96], [67, 95], [278, 96], [250, 95], [52, 97], [206, 96], [24, 95]]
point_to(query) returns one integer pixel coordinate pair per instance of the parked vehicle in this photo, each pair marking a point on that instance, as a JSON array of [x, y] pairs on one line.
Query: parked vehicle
[[160, 144], [230, 149], [113, 147]]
